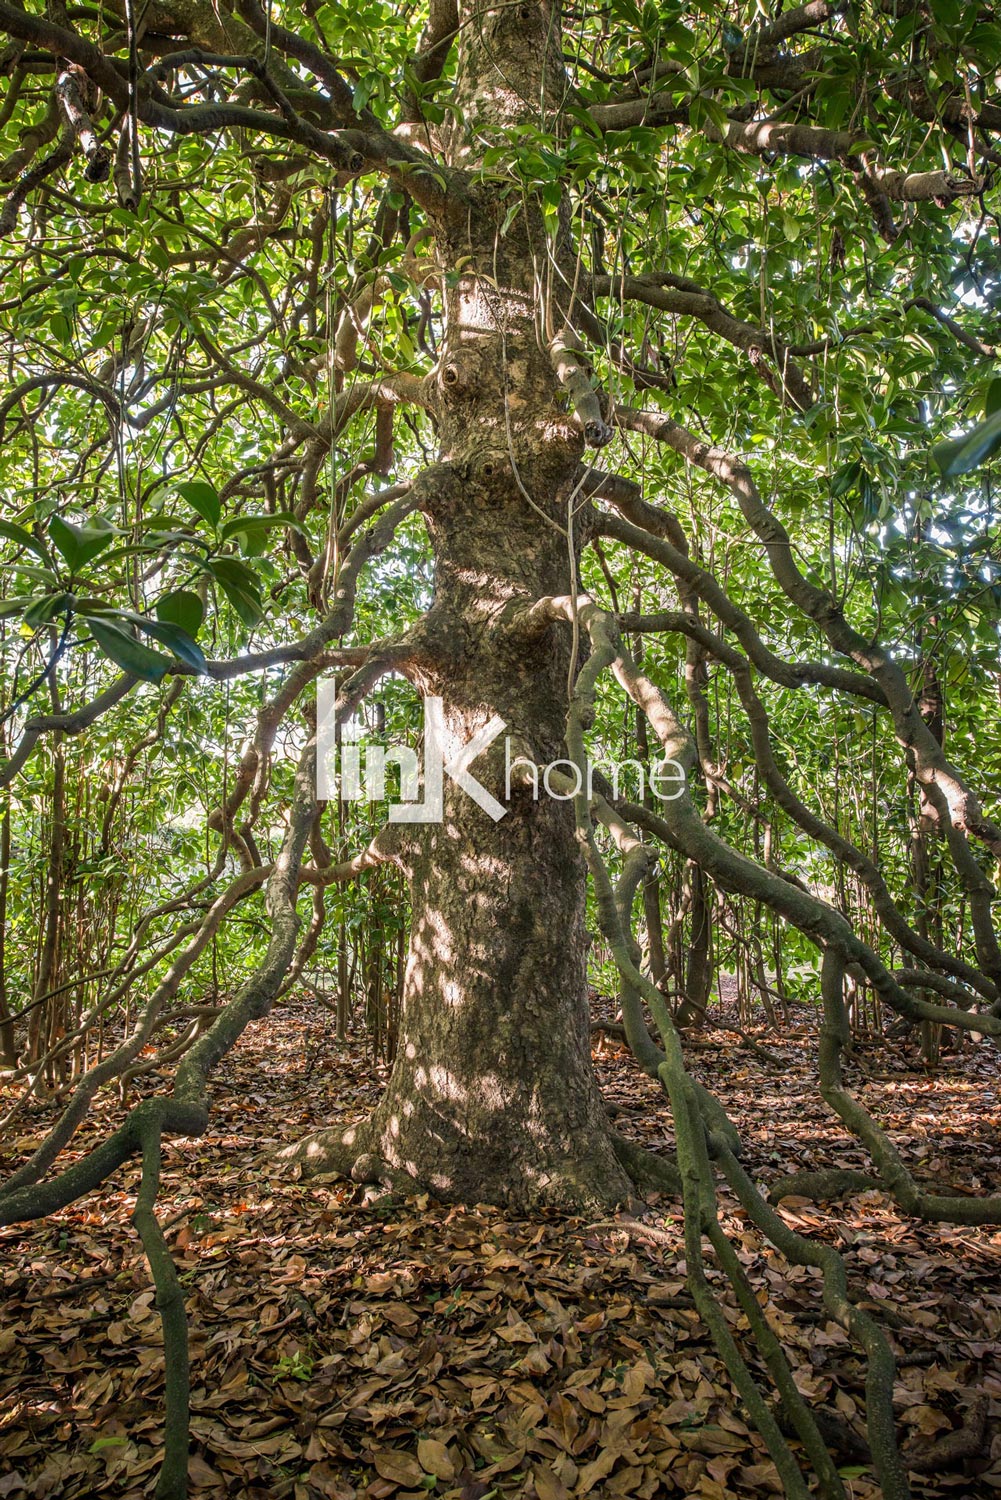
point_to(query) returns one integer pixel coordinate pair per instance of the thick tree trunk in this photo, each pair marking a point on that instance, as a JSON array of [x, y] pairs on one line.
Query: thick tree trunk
[[493, 1096]]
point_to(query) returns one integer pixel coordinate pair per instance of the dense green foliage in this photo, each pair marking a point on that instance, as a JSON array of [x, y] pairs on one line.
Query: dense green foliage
[[158, 358]]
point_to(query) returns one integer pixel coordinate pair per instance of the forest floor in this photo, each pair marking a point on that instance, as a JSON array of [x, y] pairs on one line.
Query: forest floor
[[402, 1348]]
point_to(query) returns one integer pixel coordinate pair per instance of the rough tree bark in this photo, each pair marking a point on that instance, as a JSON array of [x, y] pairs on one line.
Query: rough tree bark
[[493, 1096]]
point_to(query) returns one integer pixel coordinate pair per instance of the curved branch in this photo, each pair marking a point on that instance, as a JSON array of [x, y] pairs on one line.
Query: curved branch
[[843, 849], [699, 1196], [934, 770], [834, 1037], [685, 298], [657, 533], [71, 91], [110, 1067]]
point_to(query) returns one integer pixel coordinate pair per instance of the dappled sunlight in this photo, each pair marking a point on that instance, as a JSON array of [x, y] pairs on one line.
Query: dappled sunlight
[[431, 939], [355, 1338]]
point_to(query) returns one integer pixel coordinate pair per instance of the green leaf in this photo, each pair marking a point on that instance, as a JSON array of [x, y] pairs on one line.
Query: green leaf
[[128, 653], [45, 609], [15, 606], [23, 538], [79, 545], [510, 217], [944, 454], [248, 607], [250, 527], [232, 570], [153, 541], [240, 586], [202, 498], [959, 455], [179, 641], [44, 576], [183, 607], [842, 479]]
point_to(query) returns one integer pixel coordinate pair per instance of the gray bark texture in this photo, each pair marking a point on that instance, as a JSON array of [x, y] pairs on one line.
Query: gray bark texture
[[493, 1096]]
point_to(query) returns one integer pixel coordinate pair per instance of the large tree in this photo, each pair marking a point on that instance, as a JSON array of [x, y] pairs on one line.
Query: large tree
[[255, 258]]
